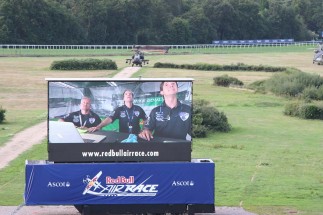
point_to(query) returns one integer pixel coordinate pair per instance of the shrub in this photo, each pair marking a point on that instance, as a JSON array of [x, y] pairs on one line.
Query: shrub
[[291, 109], [86, 64], [199, 131], [2, 114], [313, 93], [207, 119], [216, 67], [258, 86], [310, 93], [320, 93], [226, 80], [293, 83], [304, 110], [310, 111]]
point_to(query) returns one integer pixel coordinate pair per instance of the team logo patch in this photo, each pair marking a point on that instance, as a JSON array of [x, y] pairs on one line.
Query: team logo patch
[[92, 120], [184, 116], [136, 113], [122, 114], [159, 116], [76, 119]]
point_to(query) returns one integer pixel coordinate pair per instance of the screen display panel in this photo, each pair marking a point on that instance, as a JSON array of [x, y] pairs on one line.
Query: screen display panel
[[119, 120]]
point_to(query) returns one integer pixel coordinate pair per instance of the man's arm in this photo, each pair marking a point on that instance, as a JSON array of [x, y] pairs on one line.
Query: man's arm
[[105, 122], [146, 133]]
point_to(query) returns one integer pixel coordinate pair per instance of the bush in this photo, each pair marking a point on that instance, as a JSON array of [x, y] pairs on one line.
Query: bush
[[226, 80], [199, 131], [310, 93], [320, 93], [2, 114], [313, 93], [216, 67], [291, 109], [258, 86], [304, 110], [293, 84], [207, 119], [86, 64], [310, 111]]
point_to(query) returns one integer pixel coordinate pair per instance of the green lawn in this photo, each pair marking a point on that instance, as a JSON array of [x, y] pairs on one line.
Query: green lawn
[[269, 163]]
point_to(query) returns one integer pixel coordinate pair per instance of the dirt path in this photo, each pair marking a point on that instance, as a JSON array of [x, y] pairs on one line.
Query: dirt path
[[24, 140]]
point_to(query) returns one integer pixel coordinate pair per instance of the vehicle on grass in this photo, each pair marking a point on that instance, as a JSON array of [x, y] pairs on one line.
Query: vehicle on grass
[[138, 59], [152, 48], [318, 55]]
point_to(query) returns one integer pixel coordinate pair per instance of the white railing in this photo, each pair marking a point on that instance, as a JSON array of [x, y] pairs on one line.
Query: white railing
[[100, 50], [193, 46]]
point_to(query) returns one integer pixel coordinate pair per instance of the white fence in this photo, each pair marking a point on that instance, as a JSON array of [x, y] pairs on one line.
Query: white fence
[[101, 50], [127, 47]]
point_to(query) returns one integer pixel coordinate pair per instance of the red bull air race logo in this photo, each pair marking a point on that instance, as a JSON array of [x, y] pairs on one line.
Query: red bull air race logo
[[118, 186]]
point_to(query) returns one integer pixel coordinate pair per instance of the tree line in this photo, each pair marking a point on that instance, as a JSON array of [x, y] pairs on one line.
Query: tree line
[[162, 22]]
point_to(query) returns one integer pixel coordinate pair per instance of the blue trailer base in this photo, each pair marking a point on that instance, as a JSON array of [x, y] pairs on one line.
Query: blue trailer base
[[159, 187]]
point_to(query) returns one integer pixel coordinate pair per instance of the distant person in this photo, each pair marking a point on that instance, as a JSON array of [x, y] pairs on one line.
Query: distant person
[[172, 119], [83, 118], [129, 116], [142, 56], [136, 58]]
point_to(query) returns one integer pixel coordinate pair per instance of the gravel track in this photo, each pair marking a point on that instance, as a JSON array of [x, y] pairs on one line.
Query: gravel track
[[70, 210]]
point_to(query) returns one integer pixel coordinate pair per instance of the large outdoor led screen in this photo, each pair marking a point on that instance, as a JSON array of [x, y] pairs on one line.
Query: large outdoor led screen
[[113, 120]]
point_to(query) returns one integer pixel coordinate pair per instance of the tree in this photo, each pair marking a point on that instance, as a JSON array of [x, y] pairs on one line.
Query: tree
[[37, 22], [223, 17], [156, 21], [284, 22], [180, 31], [199, 26], [250, 22], [311, 12]]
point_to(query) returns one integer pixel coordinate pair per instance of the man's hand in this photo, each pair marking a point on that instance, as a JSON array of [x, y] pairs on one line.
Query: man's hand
[[146, 134], [93, 129]]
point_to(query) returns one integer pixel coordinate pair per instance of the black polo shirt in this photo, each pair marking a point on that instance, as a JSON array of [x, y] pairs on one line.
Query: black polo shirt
[[129, 117], [79, 119], [171, 123]]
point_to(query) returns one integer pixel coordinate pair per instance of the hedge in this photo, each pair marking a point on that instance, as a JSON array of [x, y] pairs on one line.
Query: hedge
[[216, 67], [2, 114], [84, 64]]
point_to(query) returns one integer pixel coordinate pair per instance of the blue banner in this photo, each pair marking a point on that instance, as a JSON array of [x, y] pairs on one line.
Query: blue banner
[[252, 42], [119, 183]]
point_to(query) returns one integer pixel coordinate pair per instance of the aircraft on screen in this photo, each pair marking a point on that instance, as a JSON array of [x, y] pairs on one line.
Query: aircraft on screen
[[92, 183], [318, 55]]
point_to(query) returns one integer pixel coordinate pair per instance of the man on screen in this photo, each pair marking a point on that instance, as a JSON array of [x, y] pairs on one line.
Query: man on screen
[[85, 117], [129, 116], [172, 119]]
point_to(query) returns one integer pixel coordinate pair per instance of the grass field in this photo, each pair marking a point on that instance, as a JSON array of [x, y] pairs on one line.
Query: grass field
[[269, 163]]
